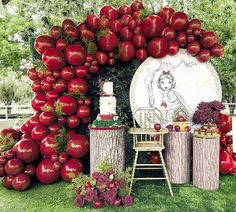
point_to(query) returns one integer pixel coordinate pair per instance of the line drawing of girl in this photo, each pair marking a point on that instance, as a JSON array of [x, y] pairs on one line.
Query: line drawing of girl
[[170, 100]]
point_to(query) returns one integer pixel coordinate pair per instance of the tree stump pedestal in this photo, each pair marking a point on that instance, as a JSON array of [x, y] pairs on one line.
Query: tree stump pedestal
[[107, 142], [178, 152], [206, 163]]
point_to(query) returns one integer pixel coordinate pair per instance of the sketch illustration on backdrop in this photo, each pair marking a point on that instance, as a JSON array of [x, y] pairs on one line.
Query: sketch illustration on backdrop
[[171, 100], [172, 82]]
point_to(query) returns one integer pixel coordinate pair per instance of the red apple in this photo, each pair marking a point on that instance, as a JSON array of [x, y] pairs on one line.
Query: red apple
[[170, 127], [157, 126], [97, 204], [177, 128], [187, 128], [154, 157]]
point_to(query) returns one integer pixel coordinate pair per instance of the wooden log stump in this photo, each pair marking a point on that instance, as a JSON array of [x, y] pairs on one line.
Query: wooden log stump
[[206, 163], [178, 152], [107, 142]]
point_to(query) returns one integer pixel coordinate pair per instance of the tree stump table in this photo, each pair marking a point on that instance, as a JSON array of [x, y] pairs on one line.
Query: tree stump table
[[107, 142], [178, 153], [206, 163]]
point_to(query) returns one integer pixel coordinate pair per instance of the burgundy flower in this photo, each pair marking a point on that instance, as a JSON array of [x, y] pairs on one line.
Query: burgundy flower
[[203, 105], [127, 200], [96, 175], [120, 183], [77, 191], [216, 105], [79, 201], [90, 194], [110, 195], [103, 180], [101, 194]]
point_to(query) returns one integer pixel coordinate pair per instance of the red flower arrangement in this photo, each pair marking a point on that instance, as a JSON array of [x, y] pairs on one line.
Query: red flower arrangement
[[104, 187], [207, 111]]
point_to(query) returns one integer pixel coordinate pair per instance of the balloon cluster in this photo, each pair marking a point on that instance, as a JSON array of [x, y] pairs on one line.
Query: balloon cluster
[[227, 157], [71, 54]]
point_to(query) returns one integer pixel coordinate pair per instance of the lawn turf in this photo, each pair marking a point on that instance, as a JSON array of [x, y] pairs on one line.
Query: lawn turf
[[149, 196]]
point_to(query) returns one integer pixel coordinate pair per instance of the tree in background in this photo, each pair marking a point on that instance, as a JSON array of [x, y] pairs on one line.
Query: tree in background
[[33, 17]]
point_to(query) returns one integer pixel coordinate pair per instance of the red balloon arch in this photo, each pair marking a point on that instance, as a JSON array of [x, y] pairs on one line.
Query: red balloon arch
[[71, 54]]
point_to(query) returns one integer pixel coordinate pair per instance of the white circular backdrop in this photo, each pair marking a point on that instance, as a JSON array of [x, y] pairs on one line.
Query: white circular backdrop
[[179, 80]]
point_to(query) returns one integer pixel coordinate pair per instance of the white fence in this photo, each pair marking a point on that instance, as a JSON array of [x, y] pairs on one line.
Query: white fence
[[15, 111]]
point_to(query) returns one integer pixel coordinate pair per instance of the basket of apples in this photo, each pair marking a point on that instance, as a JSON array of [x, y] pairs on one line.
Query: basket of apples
[[207, 130], [181, 120]]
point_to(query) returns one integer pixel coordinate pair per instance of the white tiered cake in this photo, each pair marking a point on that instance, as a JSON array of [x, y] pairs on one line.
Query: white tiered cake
[[107, 101]]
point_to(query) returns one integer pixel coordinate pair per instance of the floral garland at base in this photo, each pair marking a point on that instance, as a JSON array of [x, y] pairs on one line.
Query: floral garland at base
[[102, 188]]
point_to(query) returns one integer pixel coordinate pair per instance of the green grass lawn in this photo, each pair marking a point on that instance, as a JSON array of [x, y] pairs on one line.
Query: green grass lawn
[[149, 196]]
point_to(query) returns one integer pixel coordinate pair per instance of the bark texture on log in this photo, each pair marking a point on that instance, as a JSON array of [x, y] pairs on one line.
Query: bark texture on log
[[178, 153], [107, 143], [206, 163]]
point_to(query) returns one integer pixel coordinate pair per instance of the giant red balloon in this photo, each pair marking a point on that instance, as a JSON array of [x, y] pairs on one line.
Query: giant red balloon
[[152, 26], [53, 59], [126, 51], [48, 146], [166, 13], [7, 181], [75, 55], [217, 50], [158, 47], [46, 173], [44, 42], [179, 21], [74, 166], [21, 181], [226, 161], [14, 166], [224, 123], [208, 39], [27, 150], [78, 146]]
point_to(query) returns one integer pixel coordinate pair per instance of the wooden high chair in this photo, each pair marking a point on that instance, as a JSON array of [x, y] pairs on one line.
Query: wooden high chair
[[146, 139]]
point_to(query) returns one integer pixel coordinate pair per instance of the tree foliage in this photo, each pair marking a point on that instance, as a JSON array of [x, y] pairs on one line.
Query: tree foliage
[[33, 17]]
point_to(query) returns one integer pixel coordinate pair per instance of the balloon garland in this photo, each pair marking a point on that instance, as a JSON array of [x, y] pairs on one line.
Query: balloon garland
[[71, 54]]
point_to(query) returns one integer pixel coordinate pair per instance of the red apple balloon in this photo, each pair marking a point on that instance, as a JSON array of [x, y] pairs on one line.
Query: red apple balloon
[[208, 39], [78, 146], [152, 26], [217, 50], [14, 166], [166, 13], [226, 161], [27, 150], [7, 181], [21, 181], [158, 48], [179, 21], [46, 173], [224, 123], [74, 166]]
